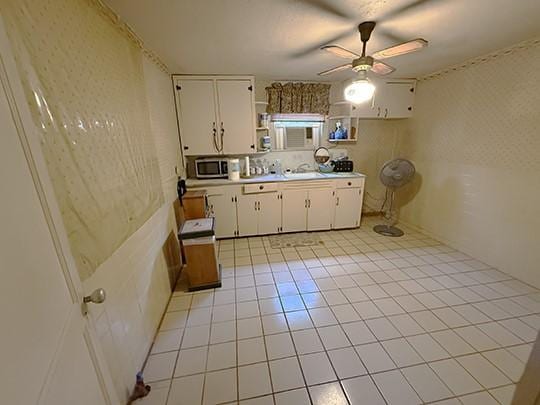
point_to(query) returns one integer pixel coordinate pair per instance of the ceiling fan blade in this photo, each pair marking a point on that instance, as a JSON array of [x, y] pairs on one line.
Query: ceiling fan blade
[[406, 8], [326, 6], [312, 48], [382, 68], [401, 49], [335, 69], [340, 51]]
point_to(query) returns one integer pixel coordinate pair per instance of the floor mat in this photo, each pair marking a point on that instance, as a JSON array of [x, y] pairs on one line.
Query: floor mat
[[294, 240]]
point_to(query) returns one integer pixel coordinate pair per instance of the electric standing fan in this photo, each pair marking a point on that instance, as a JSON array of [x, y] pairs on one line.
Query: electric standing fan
[[394, 174]]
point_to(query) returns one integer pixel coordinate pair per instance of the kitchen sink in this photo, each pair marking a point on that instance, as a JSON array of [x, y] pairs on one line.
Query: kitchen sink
[[303, 176]]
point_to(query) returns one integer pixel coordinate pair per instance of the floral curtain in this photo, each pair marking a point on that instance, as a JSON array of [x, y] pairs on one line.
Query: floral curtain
[[296, 98]]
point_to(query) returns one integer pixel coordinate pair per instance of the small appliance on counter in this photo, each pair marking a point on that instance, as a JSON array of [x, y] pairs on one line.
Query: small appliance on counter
[[343, 165], [234, 169], [210, 168]]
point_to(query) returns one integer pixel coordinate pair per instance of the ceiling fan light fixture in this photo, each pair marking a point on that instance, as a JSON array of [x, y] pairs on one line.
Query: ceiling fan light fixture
[[401, 49], [359, 91]]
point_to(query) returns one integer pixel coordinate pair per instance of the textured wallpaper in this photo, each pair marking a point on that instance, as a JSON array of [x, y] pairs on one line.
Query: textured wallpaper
[[83, 78], [475, 140]]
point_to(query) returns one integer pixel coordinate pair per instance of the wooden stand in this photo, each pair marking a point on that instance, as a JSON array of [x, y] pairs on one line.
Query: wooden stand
[[194, 203]]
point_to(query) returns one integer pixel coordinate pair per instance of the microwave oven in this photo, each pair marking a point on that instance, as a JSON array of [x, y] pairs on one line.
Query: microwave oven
[[211, 168]]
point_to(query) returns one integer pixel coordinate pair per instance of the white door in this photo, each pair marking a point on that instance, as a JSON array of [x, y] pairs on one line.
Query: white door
[[398, 99], [348, 206], [236, 115], [320, 209], [269, 213], [223, 209], [197, 116], [294, 210], [248, 212], [47, 346]]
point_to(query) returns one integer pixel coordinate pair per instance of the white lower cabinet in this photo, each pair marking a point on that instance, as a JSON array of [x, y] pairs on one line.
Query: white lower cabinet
[[320, 209], [247, 214], [348, 208], [258, 214], [223, 208], [269, 208], [294, 210], [307, 210], [269, 220]]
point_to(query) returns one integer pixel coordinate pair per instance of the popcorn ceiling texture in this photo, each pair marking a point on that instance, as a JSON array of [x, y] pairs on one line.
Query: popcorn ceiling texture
[[83, 79], [475, 142]]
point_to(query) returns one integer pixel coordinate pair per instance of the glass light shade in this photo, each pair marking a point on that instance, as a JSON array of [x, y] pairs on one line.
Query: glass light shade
[[359, 91]]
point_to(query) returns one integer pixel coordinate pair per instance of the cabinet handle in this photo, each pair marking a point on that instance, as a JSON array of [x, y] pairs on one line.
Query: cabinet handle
[[214, 136], [309, 203], [305, 203], [222, 132], [255, 205], [337, 201], [385, 112], [259, 205], [378, 111]]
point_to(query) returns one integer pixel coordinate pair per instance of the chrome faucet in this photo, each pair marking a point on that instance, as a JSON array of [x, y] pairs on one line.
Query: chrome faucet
[[300, 168]]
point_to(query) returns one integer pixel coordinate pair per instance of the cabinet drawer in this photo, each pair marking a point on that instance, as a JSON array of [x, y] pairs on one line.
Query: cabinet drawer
[[349, 183], [260, 188]]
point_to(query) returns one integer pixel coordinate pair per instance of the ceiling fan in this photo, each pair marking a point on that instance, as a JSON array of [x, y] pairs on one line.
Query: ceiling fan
[[364, 63]]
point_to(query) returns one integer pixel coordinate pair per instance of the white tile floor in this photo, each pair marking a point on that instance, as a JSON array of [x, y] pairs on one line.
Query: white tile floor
[[362, 319]]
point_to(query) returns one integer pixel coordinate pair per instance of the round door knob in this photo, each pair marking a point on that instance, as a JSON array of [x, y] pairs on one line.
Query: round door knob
[[97, 297], [349, 183], [261, 187]]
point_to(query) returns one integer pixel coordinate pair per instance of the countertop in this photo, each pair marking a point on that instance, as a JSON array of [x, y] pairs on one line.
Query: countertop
[[272, 178]]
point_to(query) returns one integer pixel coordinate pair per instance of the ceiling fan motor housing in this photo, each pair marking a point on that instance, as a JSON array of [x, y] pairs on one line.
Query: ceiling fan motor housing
[[363, 63]]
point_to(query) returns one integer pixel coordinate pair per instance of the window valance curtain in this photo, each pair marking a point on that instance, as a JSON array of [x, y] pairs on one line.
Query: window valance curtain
[[296, 98]]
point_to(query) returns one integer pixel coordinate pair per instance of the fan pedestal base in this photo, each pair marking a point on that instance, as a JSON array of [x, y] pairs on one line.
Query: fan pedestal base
[[387, 230]]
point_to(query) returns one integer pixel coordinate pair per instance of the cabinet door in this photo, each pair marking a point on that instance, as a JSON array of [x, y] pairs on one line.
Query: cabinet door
[[247, 206], [223, 208], [348, 206], [236, 116], [294, 210], [398, 98], [269, 213], [368, 109], [320, 209], [197, 116]]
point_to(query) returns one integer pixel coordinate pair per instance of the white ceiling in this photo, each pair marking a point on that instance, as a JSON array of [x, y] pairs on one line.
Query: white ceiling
[[272, 38]]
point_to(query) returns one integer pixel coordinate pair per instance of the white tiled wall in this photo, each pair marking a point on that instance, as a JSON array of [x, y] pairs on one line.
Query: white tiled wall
[[474, 140], [135, 276]]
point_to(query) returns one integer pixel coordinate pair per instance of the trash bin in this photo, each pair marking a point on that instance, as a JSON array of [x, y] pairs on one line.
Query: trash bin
[[199, 241]]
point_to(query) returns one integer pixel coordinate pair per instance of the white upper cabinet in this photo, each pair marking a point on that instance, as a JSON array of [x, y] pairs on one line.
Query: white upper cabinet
[[236, 116], [216, 114], [392, 99], [197, 116], [396, 99]]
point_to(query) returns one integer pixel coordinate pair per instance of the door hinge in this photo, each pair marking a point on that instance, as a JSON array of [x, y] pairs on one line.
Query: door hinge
[[178, 87], [250, 88]]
